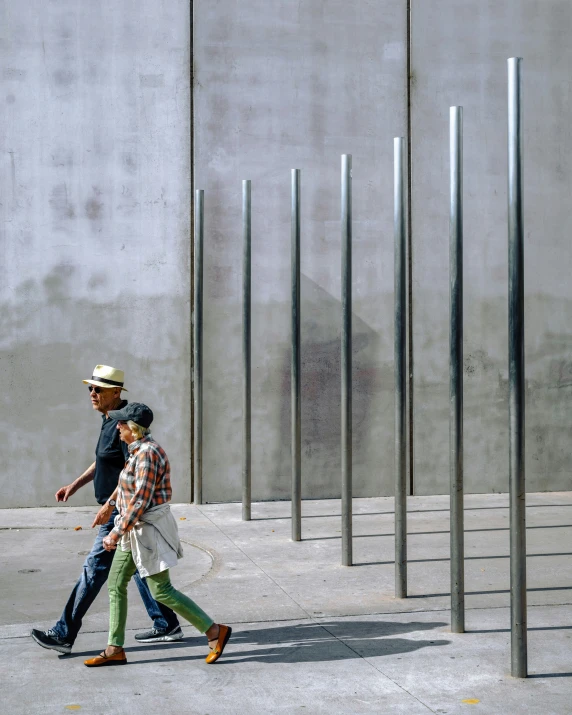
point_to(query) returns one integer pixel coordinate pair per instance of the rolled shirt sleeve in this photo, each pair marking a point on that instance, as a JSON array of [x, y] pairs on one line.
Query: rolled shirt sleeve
[[146, 470]]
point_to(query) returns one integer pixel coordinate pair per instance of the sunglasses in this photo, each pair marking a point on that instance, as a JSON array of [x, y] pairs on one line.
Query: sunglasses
[[93, 388]]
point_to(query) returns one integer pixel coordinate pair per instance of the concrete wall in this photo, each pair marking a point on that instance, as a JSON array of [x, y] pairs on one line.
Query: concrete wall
[[282, 85], [94, 222], [94, 230], [459, 57]]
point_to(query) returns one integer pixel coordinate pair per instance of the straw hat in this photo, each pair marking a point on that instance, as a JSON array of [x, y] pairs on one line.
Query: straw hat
[[105, 376]]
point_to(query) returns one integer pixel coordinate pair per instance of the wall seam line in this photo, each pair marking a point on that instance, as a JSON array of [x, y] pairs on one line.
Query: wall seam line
[[409, 258], [191, 238]]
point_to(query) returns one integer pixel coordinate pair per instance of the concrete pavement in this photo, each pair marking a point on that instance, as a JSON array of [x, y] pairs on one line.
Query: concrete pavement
[[309, 634]]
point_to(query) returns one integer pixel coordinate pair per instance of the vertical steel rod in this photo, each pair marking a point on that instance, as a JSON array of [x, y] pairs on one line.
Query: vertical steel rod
[[246, 353], [456, 370], [517, 486], [295, 367], [399, 223], [346, 360], [198, 346]]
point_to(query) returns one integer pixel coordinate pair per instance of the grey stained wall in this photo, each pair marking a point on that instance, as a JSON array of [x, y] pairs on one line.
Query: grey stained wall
[[282, 85], [459, 52], [95, 230], [94, 221]]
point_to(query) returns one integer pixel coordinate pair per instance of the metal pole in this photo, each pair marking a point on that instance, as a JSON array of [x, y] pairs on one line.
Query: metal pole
[[346, 360], [295, 368], [400, 370], [517, 487], [246, 342], [198, 345], [456, 370]]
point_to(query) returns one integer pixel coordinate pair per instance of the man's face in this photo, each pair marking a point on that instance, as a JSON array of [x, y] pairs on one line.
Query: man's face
[[103, 398]]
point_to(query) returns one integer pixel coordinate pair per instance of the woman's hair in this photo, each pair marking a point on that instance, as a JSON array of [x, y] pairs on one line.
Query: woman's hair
[[137, 430]]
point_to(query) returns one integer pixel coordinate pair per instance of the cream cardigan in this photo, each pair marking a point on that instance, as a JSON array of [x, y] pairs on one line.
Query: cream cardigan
[[154, 541]]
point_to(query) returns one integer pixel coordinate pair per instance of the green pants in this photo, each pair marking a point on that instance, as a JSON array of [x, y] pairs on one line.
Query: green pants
[[122, 570]]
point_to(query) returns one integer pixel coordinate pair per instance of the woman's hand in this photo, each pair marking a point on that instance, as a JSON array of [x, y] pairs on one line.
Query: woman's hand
[[109, 543]]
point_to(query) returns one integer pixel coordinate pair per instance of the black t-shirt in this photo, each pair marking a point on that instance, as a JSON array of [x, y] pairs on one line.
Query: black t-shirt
[[110, 457]]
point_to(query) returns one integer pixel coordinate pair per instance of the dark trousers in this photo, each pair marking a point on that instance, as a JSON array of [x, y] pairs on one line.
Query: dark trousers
[[95, 572]]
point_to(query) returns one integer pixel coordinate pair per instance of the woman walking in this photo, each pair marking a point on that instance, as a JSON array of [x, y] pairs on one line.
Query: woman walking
[[147, 535]]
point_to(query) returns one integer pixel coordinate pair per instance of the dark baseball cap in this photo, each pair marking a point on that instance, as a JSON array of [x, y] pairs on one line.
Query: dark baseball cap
[[135, 412]]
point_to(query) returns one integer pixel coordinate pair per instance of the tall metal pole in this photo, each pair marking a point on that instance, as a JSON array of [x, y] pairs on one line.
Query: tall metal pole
[[198, 345], [346, 360], [456, 370], [295, 367], [517, 487], [399, 224], [246, 362]]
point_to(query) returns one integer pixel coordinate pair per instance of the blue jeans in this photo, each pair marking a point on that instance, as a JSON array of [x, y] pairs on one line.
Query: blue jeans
[[95, 572]]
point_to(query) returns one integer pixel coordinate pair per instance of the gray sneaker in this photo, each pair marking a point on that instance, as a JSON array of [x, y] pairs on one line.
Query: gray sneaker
[[50, 639], [157, 636]]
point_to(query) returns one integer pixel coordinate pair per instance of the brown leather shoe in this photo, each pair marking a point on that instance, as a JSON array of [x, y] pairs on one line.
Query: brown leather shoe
[[224, 633], [102, 659]]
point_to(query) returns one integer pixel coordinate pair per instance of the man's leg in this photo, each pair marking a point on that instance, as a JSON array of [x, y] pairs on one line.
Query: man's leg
[[94, 575], [166, 625]]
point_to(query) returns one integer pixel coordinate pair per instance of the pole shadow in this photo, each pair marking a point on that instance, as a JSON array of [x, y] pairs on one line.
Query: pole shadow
[[484, 593], [507, 630], [409, 511], [320, 390], [466, 558], [429, 533]]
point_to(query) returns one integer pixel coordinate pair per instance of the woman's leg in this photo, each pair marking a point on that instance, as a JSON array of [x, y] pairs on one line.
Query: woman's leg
[[217, 634], [122, 570], [164, 592]]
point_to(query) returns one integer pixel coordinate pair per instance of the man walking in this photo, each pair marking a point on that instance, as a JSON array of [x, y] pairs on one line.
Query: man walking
[[111, 453]]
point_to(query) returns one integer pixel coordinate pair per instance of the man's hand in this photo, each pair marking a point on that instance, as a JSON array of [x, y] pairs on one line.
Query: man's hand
[[103, 515], [109, 543], [65, 493]]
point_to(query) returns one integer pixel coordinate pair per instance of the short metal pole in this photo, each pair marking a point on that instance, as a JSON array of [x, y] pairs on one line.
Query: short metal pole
[[456, 370], [198, 346], [399, 223], [295, 367], [519, 667], [246, 344], [346, 360]]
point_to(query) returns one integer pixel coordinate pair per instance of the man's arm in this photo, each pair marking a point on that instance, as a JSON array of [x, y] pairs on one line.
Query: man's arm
[[65, 493]]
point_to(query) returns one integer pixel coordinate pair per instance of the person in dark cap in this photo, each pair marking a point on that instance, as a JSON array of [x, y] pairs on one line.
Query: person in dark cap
[[148, 539], [105, 387]]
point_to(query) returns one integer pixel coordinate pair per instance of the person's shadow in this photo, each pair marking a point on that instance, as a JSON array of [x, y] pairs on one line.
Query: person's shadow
[[301, 643]]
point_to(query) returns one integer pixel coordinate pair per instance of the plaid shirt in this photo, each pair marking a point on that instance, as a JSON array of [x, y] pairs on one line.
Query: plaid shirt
[[145, 482]]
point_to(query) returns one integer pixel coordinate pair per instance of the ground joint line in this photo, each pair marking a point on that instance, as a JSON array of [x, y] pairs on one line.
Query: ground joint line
[[257, 566], [379, 670]]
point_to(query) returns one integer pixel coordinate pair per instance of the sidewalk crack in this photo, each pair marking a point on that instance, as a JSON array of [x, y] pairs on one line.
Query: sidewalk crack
[[379, 670]]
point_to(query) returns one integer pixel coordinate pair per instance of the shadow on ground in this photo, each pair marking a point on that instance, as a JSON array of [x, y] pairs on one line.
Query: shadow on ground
[[300, 643]]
